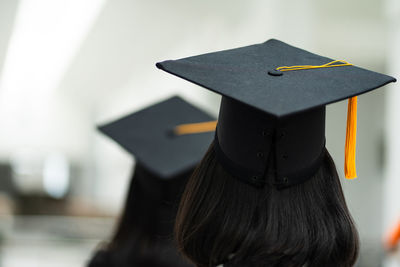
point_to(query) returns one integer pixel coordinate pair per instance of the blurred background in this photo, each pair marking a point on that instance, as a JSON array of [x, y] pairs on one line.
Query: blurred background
[[68, 65]]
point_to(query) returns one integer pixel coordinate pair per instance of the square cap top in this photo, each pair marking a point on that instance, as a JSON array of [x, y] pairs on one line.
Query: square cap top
[[147, 134], [243, 75]]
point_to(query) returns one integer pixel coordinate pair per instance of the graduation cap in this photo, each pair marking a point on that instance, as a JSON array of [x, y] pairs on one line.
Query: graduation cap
[[154, 137], [273, 104]]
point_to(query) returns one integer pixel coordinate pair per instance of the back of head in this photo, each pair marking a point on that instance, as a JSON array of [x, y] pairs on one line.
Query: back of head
[[144, 235], [224, 220]]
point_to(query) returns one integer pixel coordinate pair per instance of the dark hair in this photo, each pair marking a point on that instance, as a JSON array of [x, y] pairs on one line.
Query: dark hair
[[223, 220], [144, 236]]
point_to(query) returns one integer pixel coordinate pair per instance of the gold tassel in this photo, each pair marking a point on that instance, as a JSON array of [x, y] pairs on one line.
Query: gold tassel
[[350, 147], [192, 128]]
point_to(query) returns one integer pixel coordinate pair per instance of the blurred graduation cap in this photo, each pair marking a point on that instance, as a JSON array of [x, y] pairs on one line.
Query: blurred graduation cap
[[273, 103], [168, 138]]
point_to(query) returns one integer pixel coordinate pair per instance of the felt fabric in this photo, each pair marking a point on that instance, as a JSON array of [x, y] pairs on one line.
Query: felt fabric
[[266, 113], [148, 135], [242, 74], [244, 146]]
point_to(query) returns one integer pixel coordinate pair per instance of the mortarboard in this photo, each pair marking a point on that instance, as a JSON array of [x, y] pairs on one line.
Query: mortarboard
[[273, 104], [149, 135]]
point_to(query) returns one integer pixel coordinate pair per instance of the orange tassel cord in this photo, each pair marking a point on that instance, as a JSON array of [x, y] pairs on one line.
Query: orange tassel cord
[[350, 146], [351, 129], [193, 128]]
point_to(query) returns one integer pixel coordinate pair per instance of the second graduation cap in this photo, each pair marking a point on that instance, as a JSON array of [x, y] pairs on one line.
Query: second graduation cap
[[150, 135], [273, 104]]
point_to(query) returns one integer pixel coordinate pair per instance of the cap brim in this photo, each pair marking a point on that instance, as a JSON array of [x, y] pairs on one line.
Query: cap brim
[[242, 74], [146, 134]]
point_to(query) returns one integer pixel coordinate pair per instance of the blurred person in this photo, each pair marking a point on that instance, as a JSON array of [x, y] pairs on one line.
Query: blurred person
[[267, 192], [165, 160], [143, 235]]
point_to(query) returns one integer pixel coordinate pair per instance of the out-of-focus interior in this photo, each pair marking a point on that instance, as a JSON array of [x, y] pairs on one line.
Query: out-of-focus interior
[[68, 65]]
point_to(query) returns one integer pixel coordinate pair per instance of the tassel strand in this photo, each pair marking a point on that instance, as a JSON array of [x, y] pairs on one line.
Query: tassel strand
[[350, 147], [192, 128]]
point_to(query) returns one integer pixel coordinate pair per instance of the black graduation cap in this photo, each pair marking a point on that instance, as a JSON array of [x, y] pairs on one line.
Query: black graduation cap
[[273, 103], [150, 135]]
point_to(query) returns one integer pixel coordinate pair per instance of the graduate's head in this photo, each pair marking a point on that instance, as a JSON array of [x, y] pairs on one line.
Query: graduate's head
[[144, 234], [164, 162], [223, 220], [267, 192]]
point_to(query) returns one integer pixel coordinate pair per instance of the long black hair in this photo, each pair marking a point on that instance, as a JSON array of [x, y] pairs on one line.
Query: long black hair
[[223, 220], [144, 235]]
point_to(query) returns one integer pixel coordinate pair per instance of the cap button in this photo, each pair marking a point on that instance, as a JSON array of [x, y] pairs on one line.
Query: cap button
[[265, 133], [275, 73]]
